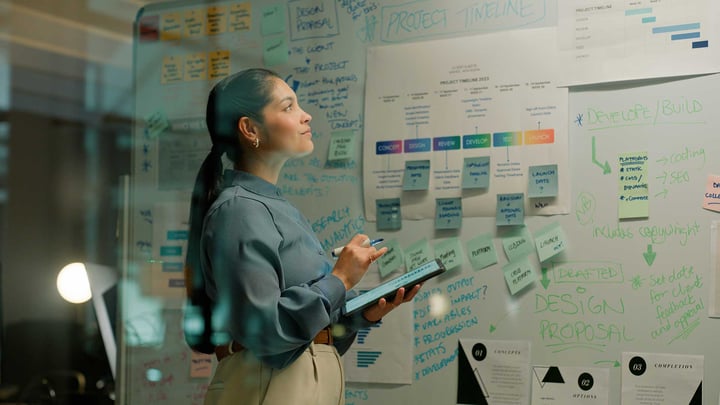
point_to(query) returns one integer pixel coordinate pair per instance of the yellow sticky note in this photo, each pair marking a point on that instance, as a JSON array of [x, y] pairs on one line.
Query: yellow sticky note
[[633, 190], [196, 67], [216, 20], [219, 64], [172, 69], [170, 27], [194, 23], [240, 18]]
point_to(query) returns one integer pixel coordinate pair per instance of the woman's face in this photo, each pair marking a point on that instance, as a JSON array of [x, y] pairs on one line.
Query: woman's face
[[286, 126]]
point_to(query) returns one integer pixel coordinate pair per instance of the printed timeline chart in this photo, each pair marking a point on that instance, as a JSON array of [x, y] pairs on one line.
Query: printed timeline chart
[[464, 125]]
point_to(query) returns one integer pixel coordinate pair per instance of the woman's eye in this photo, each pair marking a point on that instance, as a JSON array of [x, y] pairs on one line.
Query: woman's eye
[[288, 108]]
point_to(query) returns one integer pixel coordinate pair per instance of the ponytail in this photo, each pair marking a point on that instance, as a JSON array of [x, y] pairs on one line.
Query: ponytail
[[200, 307]]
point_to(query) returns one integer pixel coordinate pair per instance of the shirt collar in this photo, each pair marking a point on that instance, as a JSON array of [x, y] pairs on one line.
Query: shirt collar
[[251, 183]]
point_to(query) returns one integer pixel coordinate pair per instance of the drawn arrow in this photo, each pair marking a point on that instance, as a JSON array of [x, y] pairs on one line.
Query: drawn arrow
[[545, 281], [649, 255], [493, 328], [614, 363], [664, 193], [606, 166]]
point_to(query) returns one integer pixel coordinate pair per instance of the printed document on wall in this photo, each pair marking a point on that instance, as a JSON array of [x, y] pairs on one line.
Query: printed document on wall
[[614, 40], [661, 378], [481, 118]]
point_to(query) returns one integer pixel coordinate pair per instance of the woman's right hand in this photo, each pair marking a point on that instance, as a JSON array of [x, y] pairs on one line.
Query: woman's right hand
[[355, 259]]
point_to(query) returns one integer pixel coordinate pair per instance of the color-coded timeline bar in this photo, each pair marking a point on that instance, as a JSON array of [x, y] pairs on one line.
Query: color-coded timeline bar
[[671, 28], [473, 141]]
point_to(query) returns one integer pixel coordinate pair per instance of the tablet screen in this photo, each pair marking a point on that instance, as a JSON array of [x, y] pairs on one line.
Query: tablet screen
[[388, 288]]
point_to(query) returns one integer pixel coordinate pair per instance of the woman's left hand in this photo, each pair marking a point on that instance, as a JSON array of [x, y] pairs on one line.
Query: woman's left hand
[[383, 307]]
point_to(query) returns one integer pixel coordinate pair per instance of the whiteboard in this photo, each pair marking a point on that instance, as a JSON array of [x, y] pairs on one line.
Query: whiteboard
[[607, 293]]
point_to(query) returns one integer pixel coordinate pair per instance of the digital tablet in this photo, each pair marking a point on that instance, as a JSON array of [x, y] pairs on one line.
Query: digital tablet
[[387, 289]]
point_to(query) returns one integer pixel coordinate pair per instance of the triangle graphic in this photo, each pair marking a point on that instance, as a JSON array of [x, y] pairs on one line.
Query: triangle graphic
[[469, 390], [553, 375], [538, 371], [697, 398]]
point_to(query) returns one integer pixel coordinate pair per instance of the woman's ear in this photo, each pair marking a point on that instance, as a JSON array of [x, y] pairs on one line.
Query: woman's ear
[[248, 129]]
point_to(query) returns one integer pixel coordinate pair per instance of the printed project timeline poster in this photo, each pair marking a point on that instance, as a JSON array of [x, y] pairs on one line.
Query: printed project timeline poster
[[458, 101]]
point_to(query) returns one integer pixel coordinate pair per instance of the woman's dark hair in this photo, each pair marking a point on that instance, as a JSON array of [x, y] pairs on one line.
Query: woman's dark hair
[[243, 94]]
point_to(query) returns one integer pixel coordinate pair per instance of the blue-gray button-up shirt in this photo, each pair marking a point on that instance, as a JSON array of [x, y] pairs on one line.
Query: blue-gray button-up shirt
[[267, 273]]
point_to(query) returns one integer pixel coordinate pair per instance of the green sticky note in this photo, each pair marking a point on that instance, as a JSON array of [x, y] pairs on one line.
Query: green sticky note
[[275, 51], [550, 241], [519, 275], [417, 254], [272, 20], [481, 251], [389, 215], [450, 253], [156, 123], [518, 244], [476, 172], [510, 209], [448, 213], [417, 175], [342, 145], [392, 259], [633, 190], [542, 181]]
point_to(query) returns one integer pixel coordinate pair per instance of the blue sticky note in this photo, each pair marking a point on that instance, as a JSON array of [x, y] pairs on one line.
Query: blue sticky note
[[542, 181], [519, 275], [389, 215], [449, 252], [481, 251], [476, 172], [417, 175], [448, 213], [392, 260], [550, 241], [275, 51], [417, 254], [510, 209], [273, 20], [519, 244]]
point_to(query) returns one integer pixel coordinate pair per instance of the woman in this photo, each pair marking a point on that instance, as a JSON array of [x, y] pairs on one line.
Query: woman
[[278, 299]]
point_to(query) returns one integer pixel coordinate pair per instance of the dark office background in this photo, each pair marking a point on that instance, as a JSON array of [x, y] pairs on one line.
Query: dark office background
[[65, 118]]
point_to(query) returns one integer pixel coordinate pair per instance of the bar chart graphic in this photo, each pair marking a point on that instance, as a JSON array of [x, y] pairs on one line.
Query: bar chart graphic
[[366, 359], [363, 333]]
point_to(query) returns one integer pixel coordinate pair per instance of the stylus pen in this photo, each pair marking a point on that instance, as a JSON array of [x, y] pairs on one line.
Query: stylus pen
[[336, 252]]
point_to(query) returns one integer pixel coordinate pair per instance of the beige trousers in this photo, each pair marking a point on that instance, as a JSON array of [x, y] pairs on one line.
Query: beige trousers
[[315, 378]]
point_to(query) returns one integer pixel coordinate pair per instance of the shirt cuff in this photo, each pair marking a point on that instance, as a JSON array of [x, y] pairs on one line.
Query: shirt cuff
[[334, 289]]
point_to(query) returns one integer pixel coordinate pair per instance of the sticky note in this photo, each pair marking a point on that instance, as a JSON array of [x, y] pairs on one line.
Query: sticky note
[[195, 67], [219, 64], [156, 123], [510, 209], [476, 172], [342, 145], [448, 213], [171, 27], [392, 260], [389, 215], [633, 190], [217, 17], [194, 23], [417, 175], [172, 69], [273, 20], [542, 181], [711, 200], [550, 240], [518, 244], [417, 254], [449, 252], [518, 275], [481, 251], [275, 51], [240, 18]]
